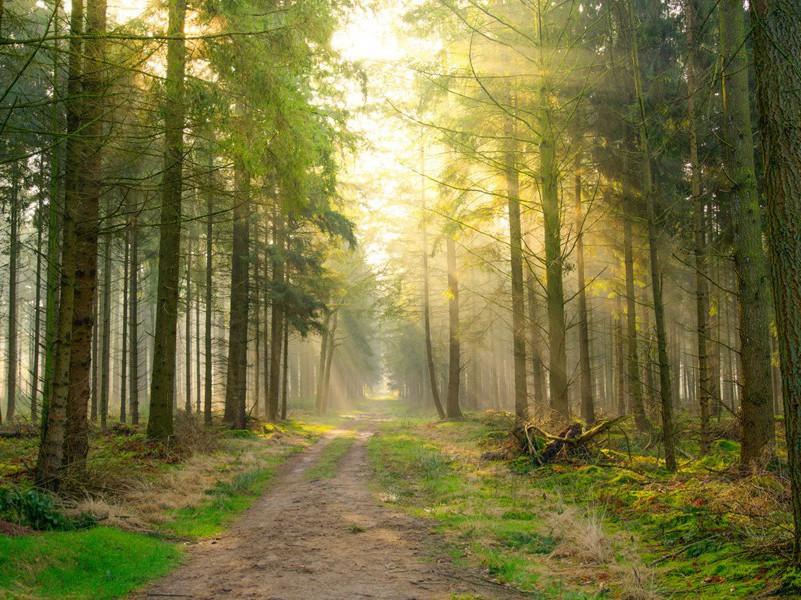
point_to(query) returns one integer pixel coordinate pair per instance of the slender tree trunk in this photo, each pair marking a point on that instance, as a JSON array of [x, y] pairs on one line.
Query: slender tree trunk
[[277, 320], [777, 46], [750, 263], [257, 338], [285, 379], [454, 342], [537, 367], [188, 335], [207, 373], [134, 318], [621, 360], [37, 303], [236, 388], [637, 405], [318, 396], [105, 351], [95, 387], [198, 387], [516, 251], [656, 273], [266, 339], [585, 371], [432, 371], [162, 385], [549, 177], [329, 359], [124, 325], [13, 358], [699, 227]]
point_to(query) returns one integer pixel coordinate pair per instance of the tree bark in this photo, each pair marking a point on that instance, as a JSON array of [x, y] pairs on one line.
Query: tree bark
[[585, 371], [329, 359], [124, 324], [105, 350], [133, 302], [452, 409], [236, 385], [549, 177], [188, 333], [162, 384], [516, 255], [13, 358], [637, 405], [54, 414], [656, 273], [88, 190], [699, 228], [750, 264], [432, 372], [207, 373], [777, 46]]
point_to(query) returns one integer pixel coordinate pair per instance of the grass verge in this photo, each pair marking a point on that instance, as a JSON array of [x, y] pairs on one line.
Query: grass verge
[[146, 496], [97, 563], [577, 531]]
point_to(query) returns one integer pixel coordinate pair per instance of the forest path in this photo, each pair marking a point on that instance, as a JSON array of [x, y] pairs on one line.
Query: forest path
[[324, 539]]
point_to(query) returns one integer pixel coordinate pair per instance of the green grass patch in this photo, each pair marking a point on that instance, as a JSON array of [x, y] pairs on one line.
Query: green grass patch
[[501, 515], [225, 501], [328, 463], [96, 563]]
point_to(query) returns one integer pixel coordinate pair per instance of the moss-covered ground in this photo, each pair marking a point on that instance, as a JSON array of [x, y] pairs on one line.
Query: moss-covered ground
[[151, 499], [624, 529]]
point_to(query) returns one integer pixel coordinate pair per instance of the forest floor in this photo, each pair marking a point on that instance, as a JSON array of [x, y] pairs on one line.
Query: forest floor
[[319, 533], [378, 504]]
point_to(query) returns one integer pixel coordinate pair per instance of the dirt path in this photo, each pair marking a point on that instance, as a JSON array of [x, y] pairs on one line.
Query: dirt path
[[323, 540]]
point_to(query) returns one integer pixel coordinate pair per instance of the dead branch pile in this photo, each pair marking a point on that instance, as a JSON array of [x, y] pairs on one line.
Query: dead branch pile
[[543, 447]]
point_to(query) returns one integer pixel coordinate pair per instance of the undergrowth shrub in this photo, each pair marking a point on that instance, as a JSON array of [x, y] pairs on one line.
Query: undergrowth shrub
[[37, 511]]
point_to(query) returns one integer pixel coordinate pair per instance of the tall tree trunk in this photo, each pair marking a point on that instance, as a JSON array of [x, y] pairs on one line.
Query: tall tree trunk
[[656, 273], [750, 264], [95, 388], [285, 379], [277, 317], [777, 46], [432, 372], [537, 368], [516, 253], [236, 387], [549, 179], [257, 337], [133, 302], [585, 371], [54, 413], [198, 387], [621, 360], [188, 335], [162, 384], [37, 303], [699, 227], [207, 373], [124, 324], [105, 351], [318, 396], [634, 383], [266, 335], [329, 359], [13, 358], [452, 409], [89, 181]]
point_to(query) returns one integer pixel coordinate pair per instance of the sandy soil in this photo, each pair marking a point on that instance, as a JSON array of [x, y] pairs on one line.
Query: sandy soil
[[323, 540]]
